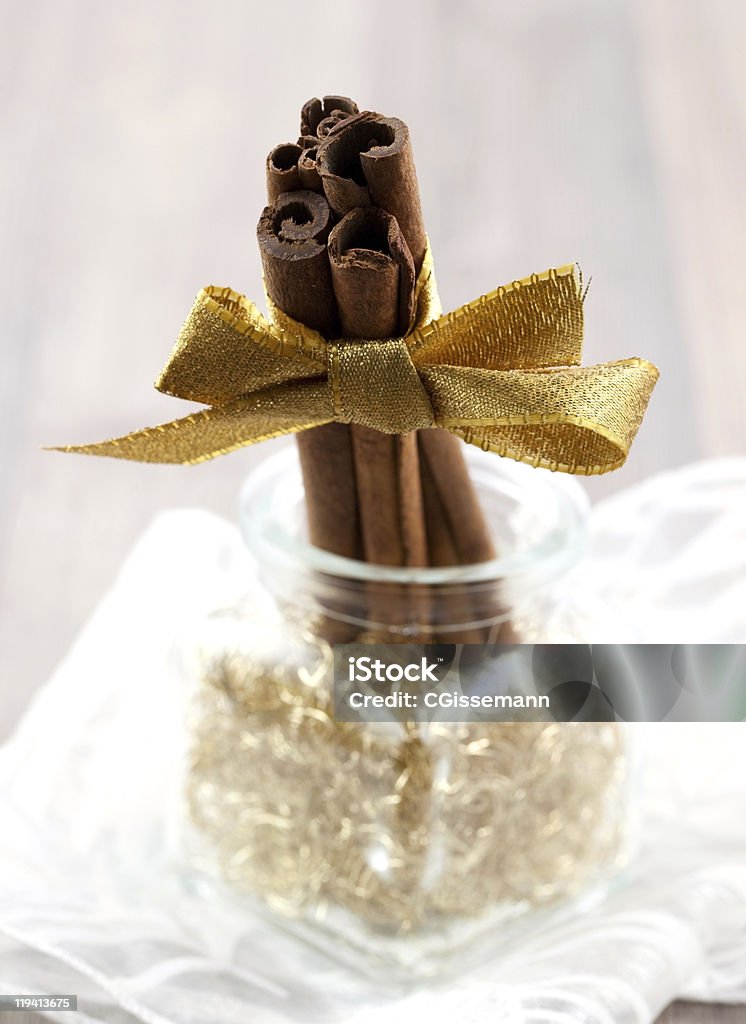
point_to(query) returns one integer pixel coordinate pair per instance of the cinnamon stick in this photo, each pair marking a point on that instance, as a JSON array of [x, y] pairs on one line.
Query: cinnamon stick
[[373, 281], [451, 492], [282, 170], [314, 111], [292, 235], [457, 534], [308, 172], [367, 159], [373, 275], [326, 455]]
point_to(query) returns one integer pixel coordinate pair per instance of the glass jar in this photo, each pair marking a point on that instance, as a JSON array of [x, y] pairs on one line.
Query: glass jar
[[399, 845]]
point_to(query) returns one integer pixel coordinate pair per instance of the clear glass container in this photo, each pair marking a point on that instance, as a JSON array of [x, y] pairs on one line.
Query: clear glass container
[[407, 847]]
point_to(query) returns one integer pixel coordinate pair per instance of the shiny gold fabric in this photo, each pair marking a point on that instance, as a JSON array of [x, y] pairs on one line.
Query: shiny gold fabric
[[501, 372]]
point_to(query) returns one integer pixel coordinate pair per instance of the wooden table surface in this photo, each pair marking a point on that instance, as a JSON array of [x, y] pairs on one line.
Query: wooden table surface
[[132, 174]]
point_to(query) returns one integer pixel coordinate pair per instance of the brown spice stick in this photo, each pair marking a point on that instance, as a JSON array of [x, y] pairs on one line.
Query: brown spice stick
[[325, 453], [282, 170], [373, 275], [373, 280], [366, 160], [450, 486], [308, 171], [456, 530], [314, 111], [387, 170], [441, 546], [292, 235]]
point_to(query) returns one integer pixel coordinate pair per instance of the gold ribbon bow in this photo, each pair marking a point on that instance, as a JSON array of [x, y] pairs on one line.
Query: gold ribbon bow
[[502, 372]]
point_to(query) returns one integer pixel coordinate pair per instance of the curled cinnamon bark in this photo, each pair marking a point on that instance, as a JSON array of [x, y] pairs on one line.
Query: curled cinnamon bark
[[300, 284], [308, 172], [373, 281], [366, 160], [328, 123], [314, 111], [462, 537], [292, 235], [372, 275], [282, 170]]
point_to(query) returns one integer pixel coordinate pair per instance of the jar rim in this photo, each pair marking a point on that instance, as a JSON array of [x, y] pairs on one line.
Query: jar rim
[[275, 484]]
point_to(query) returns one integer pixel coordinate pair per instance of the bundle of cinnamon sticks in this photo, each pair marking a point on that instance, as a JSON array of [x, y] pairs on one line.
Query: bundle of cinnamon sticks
[[342, 243]]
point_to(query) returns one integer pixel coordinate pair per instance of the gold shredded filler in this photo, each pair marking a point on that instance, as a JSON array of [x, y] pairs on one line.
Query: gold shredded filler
[[408, 827]]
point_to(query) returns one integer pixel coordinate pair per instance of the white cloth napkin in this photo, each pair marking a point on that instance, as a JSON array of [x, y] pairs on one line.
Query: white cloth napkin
[[92, 897]]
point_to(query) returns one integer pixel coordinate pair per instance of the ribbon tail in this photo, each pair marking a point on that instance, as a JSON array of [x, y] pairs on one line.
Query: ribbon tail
[[222, 428], [579, 420]]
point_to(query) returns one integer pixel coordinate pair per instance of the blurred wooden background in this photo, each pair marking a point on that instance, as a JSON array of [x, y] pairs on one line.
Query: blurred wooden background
[[132, 174]]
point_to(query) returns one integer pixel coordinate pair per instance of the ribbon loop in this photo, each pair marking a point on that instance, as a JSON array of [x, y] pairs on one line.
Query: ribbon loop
[[375, 384], [226, 349]]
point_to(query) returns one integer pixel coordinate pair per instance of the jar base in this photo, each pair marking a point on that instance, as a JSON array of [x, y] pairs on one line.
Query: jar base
[[399, 961]]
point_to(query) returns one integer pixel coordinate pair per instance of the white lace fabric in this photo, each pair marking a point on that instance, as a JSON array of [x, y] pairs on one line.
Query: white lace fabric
[[91, 901]]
